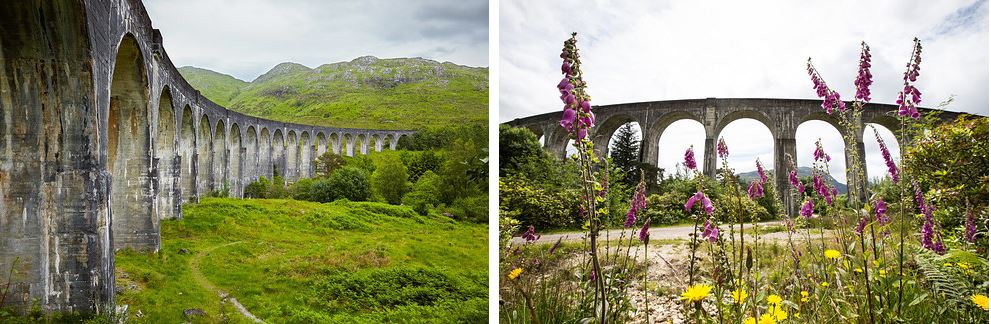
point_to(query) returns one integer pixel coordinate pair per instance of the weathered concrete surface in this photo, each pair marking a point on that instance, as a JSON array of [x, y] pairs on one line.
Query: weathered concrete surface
[[101, 137], [781, 116]]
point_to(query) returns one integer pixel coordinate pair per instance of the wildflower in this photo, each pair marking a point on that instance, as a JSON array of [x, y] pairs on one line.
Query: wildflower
[[882, 273], [515, 273], [807, 209], [696, 293], [819, 153], [892, 167], [761, 173], [530, 236], [750, 320], [645, 231], [637, 203], [756, 190], [805, 296], [880, 212], [970, 228], [863, 81], [774, 300], [766, 319], [722, 149], [859, 229], [948, 264], [964, 265], [832, 254], [780, 314], [591, 276], [555, 246], [793, 179], [831, 99], [706, 203], [739, 296], [907, 106], [690, 158], [711, 232], [980, 300], [568, 119], [931, 238], [824, 284]]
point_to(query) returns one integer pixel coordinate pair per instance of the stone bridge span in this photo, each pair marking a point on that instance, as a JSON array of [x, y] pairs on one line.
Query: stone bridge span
[[781, 116], [101, 137]]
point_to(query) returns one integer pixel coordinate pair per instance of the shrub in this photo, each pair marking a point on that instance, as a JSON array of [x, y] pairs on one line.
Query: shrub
[[472, 208], [419, 162], [258, 188], [544, 208], [425, 194], [348, 182], [324, 165], [390, 180]]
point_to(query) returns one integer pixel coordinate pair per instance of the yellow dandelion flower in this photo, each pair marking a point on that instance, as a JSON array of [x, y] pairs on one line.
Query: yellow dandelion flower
[[750, 320], [882, 273], [774, 300], [805, 297], [780, 315], [858, 270], [766, 319], [696, 293], [964, 265], [980, 300], [824, 284], [948, 264], [515, 273], [739, 296], [832, 254]]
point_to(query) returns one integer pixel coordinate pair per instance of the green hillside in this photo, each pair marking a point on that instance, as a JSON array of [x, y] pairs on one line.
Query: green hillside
[[219, 87], [293, 261], [367, 92]]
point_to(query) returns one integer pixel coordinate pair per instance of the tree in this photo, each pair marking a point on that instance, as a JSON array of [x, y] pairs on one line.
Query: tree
[[625, 153], [390, 180], [425, 193], [520, 152], [348, 182], [327, 163]]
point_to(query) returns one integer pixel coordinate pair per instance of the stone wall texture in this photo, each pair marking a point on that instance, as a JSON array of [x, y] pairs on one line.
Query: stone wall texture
[[101, 137]]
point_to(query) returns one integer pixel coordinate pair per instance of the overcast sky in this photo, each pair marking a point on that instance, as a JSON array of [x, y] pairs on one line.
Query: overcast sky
[[246, 38], [663, 50]]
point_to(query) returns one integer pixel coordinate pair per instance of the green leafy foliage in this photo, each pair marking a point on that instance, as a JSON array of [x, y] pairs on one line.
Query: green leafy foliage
[[390, 180], [425, 193]]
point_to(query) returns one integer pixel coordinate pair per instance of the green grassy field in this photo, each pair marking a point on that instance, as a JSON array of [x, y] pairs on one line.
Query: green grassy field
[[295, 261], [400, 93]]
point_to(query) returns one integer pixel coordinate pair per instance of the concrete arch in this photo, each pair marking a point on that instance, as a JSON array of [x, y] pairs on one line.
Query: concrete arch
[[187, 155], [265, 154], [347, 144], [604, 131], [235, 155], [292, 156], [305, 155], [652, 134], [220, 156], [820, 116], [204, 156], [278, 154], [669, 156], [321, 144], [756, 132], [249, 169], [361, 142], [762, 117], [335, 143], [388, 142], [166, 158], [377, 142], [128, 151]]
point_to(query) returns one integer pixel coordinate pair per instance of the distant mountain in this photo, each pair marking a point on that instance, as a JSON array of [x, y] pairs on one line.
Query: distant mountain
[[803, 172], [367, 92]]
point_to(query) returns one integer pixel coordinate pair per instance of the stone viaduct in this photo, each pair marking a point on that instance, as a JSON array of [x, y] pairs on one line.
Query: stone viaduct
[[780, 116], [100, 138]]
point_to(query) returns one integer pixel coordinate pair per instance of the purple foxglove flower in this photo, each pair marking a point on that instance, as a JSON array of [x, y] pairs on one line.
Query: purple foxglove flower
[[970, 228], [860, 226], [892, 167], [863, 81], [586, 107], [722, 149], [707, 228], [591, 276], [554, 247], [707, 205], [711, 231], [691, 200], [793, 178], [582, 132], [645, 231], [690, 158], [568, 119], [756, 190], [570, 101], [880, 212], [631, 218], [530, 236], [566, 68], [807, 209], [820, 153], [761, 173]]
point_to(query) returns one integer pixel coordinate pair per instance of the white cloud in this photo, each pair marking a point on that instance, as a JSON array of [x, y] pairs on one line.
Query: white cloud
[[246, 38], [644, 51]]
